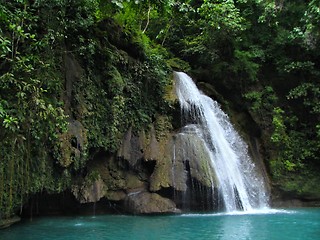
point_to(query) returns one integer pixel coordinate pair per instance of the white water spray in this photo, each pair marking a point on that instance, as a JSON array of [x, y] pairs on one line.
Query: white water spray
[[240, 185]]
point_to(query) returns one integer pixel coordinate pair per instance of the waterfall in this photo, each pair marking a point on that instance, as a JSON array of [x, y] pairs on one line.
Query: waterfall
[[240, 185]]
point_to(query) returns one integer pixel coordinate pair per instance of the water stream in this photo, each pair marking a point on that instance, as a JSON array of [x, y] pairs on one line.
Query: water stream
[[239, 183]]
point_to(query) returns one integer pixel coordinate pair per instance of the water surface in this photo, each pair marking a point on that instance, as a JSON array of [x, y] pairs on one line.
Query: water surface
[[270, 224]]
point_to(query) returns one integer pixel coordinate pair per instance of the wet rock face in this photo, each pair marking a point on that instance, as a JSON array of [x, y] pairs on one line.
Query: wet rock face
[[131, 148], [89, 192], [185, 156], [191, 151], [148, 172], [177, 161]]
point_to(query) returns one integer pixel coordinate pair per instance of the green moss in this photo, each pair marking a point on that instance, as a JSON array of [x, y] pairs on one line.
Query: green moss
[[306, 187], [303, 184], [163, 127], [162, 176], [178, 64], [116, 83]]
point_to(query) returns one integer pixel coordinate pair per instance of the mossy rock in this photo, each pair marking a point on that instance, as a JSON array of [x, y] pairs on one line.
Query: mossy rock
[[182, 154], [89, 191], [163, 176], [7, 222], [301, 186], [73, 145], [115, 195]]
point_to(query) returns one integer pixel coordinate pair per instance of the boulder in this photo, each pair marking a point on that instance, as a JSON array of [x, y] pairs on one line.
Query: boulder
[[149, 203]]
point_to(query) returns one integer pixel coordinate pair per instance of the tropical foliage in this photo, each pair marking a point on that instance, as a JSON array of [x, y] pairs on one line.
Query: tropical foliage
[[68, 86], [261, 55]]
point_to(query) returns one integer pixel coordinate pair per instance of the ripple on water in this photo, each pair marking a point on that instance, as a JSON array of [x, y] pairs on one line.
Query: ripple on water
[[263, 224]]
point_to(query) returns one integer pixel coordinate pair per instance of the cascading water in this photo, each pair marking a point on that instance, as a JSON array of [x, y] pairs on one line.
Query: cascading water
[[239, 184]]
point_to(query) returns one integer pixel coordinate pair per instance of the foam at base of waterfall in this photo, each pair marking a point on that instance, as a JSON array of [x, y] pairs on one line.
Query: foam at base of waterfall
[[263, 211]]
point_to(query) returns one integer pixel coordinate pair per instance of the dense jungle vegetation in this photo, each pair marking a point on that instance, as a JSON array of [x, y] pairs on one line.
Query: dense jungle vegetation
[[261, 56]]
